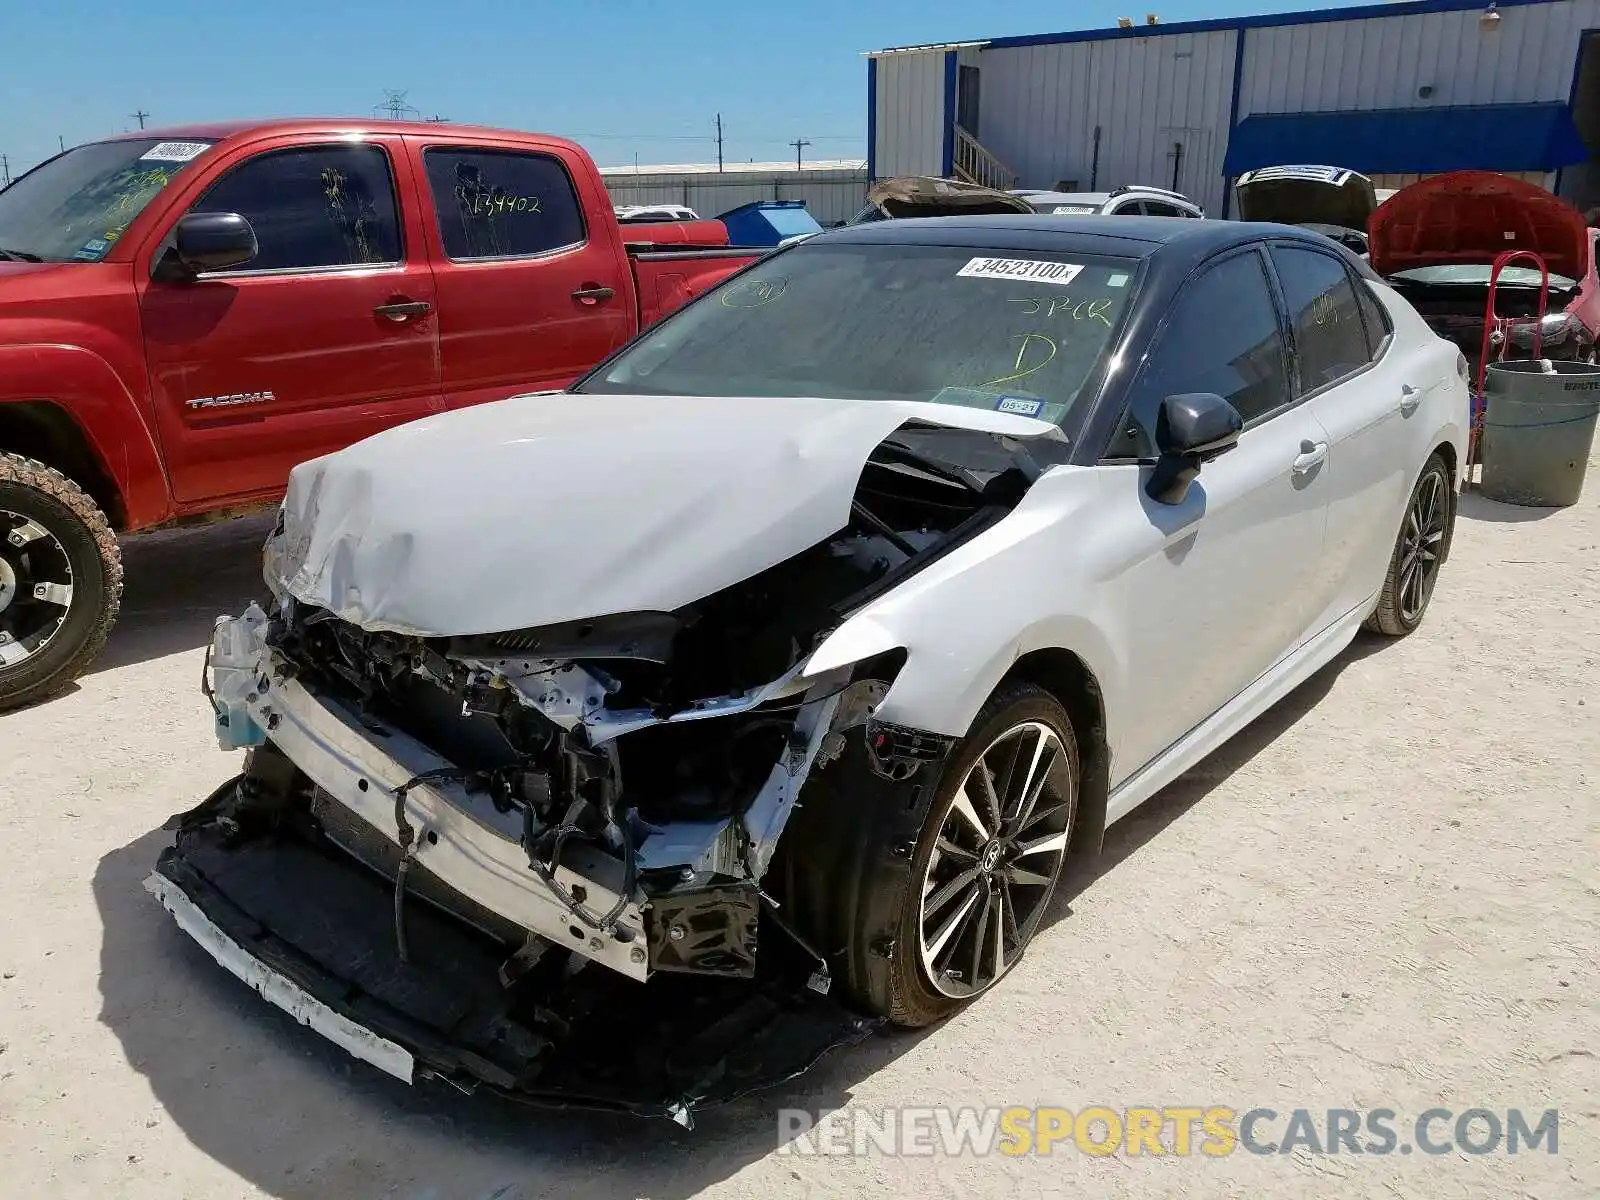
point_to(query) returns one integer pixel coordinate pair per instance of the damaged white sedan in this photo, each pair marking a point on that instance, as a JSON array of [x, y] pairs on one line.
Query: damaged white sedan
[[634, 745]]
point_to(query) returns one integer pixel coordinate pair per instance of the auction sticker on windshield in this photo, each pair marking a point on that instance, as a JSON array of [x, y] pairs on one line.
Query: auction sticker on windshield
[[175, 151], [1021, 269]]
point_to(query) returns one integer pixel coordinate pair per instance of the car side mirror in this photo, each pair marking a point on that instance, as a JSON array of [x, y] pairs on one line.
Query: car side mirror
[[1191, 429], [207, 242]]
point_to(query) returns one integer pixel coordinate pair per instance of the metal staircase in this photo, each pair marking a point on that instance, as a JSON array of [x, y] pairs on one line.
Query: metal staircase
[[975, 164]]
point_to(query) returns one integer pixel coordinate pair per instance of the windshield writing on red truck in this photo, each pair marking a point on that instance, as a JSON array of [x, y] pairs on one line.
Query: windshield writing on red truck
[[75, 207]]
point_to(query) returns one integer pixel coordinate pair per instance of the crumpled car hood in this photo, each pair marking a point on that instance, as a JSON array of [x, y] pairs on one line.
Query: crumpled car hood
[[549, 508]]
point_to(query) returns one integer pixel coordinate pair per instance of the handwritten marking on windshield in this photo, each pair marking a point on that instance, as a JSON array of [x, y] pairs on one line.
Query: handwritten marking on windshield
[[1079, 310], [753, 293], [1041, 346]]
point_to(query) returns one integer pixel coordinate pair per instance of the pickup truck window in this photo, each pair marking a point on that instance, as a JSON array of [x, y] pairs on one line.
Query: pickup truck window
[[1016, 331], [74, 207], [502, 204], [314, 208]]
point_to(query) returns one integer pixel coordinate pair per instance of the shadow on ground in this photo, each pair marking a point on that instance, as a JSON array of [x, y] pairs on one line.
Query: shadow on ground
[[293, 1116], [1475, 506], [177, 581]]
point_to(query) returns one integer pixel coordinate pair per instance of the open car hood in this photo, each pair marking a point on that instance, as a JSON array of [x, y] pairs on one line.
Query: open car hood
[[1306, 195], [1472, 216], [550, 508], [927, 196]]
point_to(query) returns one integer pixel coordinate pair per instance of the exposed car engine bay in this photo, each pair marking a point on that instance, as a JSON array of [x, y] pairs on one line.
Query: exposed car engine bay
[[525, 804]]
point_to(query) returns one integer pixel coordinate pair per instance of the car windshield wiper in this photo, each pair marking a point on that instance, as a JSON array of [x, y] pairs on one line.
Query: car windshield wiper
[[936, 467], [19, 256]]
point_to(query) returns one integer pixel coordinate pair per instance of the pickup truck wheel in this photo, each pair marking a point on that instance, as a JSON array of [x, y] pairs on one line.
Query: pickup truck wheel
[[60, 581]]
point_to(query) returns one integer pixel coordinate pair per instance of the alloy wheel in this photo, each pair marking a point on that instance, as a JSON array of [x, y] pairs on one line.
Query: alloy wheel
[[35, 587], [1421, 545], [994, 864]]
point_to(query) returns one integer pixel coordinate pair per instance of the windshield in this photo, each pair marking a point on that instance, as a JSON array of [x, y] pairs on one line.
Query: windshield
[[1477, 276], [1010, 330], [74, 207]]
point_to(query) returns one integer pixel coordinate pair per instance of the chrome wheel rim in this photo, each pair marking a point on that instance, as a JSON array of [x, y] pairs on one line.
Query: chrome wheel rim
[[35, 587], [995, 860], [1421, 542]]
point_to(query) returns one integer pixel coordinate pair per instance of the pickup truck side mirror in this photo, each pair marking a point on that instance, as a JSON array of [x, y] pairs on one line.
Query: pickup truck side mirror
[[206, 242], [1191, 429]]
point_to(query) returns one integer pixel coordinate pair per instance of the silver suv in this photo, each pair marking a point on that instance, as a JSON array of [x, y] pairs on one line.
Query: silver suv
[[1129, 201]]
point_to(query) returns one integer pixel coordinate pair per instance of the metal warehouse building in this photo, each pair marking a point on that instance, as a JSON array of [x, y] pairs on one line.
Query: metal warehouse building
[[1396, 91], [833, 189]]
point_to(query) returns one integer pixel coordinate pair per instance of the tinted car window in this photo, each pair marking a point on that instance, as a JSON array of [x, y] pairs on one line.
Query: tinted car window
[[328, 206], [1375, 317], [1015, 332], [1223, 337], [498, 204], [1329, 339], [1155, 208]]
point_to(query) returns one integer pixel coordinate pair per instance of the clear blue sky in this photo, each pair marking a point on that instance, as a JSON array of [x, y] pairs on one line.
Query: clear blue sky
[[624, 77]]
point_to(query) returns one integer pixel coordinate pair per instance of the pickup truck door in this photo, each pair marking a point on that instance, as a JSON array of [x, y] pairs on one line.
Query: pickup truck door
[[328, 336], [533, 284]]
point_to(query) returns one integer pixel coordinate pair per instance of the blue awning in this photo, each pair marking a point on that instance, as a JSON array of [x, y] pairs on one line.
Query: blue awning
[[1404, 141]]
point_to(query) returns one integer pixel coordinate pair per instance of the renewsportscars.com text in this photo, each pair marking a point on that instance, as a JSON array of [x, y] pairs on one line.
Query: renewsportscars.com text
[[1180, 1131]]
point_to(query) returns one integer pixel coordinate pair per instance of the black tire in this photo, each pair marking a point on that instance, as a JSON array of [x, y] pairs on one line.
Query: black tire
[[857, 856], [79, 533], [1401, 605]]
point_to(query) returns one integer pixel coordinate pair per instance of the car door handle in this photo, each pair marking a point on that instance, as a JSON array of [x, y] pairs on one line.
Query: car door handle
[[593, 293], [401, 310], [1311, 453], [1410, 397]]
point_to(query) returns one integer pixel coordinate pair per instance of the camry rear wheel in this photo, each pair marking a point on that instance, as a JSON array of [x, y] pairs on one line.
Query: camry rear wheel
[[1418, 552], [60, 581]]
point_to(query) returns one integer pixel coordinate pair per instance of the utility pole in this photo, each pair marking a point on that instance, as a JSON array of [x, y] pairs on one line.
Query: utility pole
[[719, 141], [799, 144], [139, 116], [5, 171]]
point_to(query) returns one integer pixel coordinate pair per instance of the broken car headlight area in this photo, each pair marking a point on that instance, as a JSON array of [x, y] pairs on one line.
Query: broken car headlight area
[[559, 861]]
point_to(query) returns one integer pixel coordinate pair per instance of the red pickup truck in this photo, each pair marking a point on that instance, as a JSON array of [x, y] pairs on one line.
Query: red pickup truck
[[185, 314]]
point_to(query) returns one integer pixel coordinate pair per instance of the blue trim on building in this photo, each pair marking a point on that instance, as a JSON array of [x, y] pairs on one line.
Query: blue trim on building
[[872, 120], [1233, 115], [952, 73], [1425, 141], [1317, 16], [1572, 95]]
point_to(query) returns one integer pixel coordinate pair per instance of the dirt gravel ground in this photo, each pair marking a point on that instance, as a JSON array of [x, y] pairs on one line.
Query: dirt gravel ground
[[1383, 894]]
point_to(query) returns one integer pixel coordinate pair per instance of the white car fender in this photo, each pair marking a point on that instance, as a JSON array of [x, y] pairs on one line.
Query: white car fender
[[966, 619]]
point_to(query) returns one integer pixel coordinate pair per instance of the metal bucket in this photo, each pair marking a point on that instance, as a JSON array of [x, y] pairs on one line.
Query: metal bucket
[[1538, 427]]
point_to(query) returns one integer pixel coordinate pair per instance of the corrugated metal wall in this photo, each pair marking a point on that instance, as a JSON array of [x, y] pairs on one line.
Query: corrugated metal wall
[[1381, 62], [829, 195], [1041, 105], [910, 116]]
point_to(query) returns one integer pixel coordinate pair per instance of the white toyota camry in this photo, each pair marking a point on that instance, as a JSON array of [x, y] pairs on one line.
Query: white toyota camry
[[794, 653]]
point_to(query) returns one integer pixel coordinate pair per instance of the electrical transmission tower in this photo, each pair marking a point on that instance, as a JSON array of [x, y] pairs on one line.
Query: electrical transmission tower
[[394, 105]]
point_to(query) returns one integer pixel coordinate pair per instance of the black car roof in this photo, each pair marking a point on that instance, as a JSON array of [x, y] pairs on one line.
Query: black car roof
[[1123, 237]]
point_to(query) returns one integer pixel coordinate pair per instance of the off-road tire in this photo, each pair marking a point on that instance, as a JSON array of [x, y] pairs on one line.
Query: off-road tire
[[852, 863], [49, 498], [1390, 617]]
